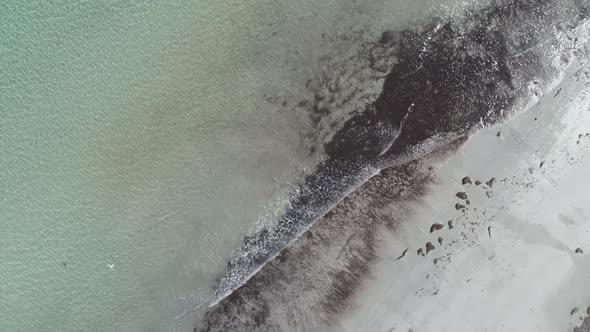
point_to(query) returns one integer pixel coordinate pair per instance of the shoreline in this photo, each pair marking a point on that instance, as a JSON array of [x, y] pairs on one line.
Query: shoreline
[[380, 136]]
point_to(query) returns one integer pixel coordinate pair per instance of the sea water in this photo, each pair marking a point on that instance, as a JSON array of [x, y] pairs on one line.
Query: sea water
[[139, 142]]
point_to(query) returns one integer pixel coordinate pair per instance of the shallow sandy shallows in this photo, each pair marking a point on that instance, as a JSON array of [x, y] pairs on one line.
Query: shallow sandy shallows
[[517, 257]]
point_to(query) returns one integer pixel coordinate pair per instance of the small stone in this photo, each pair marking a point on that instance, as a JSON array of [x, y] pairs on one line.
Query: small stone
[[436, 227], [468, 202], [450, 222], [588, 311], [499, 134], [542, 164], [490, 231], [574, 311], [440, 239], [429, 247], [491, 182], [459, 206], [578, 142], [579, 251], [466, 180], [462, 195], [489, 194], [420, 252], [435, 261], [477, 183]]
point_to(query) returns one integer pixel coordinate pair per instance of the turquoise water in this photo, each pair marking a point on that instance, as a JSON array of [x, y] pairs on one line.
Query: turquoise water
[[135, 151]]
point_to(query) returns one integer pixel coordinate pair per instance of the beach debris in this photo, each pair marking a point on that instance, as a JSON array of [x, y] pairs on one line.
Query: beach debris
[[403, 254], [491, 182], [557, 93], [429, 247], [579, 251], [462, 195], [436, 227], [450, 222], [466, 180]]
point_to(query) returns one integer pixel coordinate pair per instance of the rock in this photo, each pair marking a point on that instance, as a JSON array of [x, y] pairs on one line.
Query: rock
[[429, 247], [459, 206], [462, 195], [491, 182], [477, 183], [579, 251], [436, 227], [466, 180]]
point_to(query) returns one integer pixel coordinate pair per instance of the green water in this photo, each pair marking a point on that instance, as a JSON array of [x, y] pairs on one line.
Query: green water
[[135, 149], [138, 145]]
